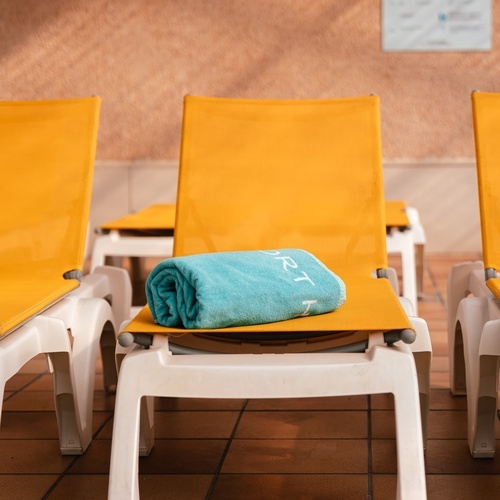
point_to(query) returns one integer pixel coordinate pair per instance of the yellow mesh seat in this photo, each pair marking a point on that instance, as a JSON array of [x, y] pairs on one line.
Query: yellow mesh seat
[[156, 217], [474, 292], [161, 216]]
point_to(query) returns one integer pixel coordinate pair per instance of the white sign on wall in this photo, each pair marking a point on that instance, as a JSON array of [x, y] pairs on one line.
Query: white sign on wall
[[436, 25]]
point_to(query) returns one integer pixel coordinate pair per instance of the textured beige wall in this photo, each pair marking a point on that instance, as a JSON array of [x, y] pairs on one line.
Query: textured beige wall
[[142, 56]]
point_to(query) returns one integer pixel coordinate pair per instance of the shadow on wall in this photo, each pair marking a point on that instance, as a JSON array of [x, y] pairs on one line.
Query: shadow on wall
[[142, 57]]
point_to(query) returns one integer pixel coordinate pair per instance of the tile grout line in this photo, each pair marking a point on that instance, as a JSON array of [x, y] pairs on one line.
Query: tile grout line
[[63, 474], [225, 452], [369, 444], [60, 478], [21, 389], [434, 282]]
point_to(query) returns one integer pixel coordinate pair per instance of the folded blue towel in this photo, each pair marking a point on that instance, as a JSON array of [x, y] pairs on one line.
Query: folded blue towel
[[215, 290]]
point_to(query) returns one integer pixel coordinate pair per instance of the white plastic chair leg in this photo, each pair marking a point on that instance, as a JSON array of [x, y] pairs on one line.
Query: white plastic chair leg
[[119, 294], [38, 336], [458, 288], [422, 353], [147, 437], [480, 355], [99, 252], [411, 481], [74, 384], [419, 268], [74, 435], [147, 431], [485, 396], [419, 241], [124, 469], [113, 285]]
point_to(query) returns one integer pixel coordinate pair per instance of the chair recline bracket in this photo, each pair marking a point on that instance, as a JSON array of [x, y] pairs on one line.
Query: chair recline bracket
[[382, 273], [74, 274], [490, 273], [126, 339], [407, 335]]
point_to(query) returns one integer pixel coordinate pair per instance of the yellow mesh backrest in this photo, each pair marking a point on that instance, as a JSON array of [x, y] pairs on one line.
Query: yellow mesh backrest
[[486, 120], [259, 174], [47, 151]]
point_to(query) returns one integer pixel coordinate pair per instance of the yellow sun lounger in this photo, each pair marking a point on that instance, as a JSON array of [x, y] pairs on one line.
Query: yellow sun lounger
[[47, 153], [271, 174], [474, 292]]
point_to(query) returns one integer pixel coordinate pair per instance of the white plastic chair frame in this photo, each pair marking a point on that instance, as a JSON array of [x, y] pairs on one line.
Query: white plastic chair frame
[[70, 333], [474, 352], [112, 284], [115, 244], [72, 361], [163, 374]]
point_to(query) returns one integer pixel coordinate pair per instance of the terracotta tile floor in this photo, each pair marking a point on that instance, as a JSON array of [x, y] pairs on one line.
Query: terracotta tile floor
[[285, 449]]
